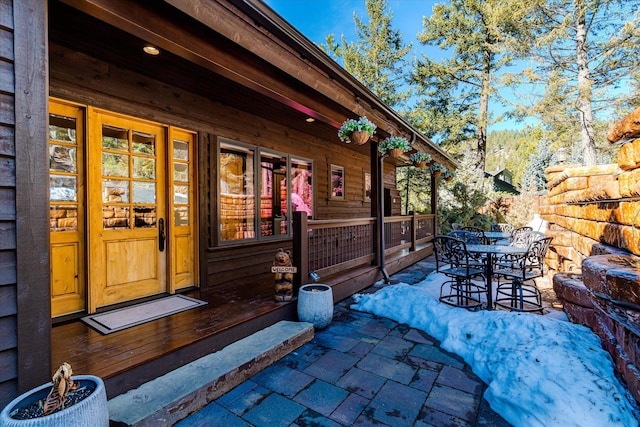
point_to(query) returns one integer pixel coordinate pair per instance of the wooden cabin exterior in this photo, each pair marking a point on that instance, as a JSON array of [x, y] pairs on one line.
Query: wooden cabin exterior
[[127, 176]]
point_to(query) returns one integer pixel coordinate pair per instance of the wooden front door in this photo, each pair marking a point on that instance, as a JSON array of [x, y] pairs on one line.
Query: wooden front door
[[123, 208], [127, 209]]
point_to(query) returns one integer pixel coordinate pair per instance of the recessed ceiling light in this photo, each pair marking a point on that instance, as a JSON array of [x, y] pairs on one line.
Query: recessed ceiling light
[[151, 50], [310, 120]]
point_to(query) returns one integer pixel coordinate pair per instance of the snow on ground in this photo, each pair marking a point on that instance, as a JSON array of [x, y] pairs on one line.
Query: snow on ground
[[540, 371]]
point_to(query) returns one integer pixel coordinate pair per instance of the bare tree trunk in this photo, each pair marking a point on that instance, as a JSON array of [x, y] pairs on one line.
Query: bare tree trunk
[[583, 103], [483, 111]]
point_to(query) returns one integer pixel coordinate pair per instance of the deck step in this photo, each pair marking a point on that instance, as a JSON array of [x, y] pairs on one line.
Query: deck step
[[171, 397]]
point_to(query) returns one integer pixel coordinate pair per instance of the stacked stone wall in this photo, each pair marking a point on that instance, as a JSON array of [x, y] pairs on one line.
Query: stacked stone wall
[[594, 218]]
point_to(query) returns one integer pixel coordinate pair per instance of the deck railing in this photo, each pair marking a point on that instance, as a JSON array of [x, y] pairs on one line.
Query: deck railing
[[326, 247]]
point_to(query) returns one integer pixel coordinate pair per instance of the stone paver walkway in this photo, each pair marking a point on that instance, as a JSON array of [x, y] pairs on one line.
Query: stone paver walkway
[[363, 370]]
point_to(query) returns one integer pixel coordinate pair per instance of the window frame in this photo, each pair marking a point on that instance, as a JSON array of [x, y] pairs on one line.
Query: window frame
[[258, 153], [339, 172]]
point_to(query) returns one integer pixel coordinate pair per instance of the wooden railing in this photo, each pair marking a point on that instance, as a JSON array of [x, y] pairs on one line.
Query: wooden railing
[[326, 247], [407, 232]]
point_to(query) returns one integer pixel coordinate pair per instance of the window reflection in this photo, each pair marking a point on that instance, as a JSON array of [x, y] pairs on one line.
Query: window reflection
[[237, 204], [285, 184], [273, 195], [302, 186]]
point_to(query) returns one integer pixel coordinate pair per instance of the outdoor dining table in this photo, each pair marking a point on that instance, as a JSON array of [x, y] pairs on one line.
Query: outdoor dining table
[[491, 251]]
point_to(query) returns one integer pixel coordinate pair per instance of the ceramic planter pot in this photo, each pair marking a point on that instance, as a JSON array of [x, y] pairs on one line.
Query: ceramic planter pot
[[315, 305], [359, 137], [91, 411], [396, 152]]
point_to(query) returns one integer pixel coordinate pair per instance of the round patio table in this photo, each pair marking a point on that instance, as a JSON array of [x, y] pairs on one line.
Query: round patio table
[[490, 251]]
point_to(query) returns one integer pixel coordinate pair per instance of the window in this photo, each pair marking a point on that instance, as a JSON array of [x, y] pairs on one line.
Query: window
[[258, 188], [337, 182], [301, 186], [237, 200], [273, 194], [367, 187]]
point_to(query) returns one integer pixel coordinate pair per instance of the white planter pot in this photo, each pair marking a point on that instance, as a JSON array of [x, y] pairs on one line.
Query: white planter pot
[[90, 412], [315, 305]]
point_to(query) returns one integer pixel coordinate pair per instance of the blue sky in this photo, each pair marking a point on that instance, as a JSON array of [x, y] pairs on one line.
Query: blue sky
[[318, 18]]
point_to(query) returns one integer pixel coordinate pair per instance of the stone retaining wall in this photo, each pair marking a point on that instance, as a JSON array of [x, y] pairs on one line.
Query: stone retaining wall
[[594, 219]]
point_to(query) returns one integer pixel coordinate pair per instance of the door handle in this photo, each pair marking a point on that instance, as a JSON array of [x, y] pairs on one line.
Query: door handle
[[161, 235]]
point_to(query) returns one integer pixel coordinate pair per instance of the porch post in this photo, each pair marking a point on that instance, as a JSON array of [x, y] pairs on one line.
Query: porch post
[[300, 248], [33, 289], [414, 230], [375, 197], [434, 198]]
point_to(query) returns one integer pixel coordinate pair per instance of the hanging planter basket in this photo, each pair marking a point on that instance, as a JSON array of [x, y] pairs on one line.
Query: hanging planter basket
[[437, 173], [420, 164], [359, 137], [396, 152]]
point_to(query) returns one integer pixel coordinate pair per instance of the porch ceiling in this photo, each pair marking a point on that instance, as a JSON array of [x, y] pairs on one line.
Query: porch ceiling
[[72, 28]]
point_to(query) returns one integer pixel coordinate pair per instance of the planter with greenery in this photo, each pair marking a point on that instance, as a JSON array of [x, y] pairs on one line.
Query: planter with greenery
[[394, 145], [437, 169], [356, 131], [448, 175], [420, 160]]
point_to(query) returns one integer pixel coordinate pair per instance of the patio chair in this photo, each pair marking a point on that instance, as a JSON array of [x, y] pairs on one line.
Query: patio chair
[[503, 227], [452, 260], [524, 238], [479, 232], [469, 238], [519, 230], [520, 293]]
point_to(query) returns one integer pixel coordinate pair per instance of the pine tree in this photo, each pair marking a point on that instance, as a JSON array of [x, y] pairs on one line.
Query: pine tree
[[482, 37], [534, 176], [587, 50], [376, 58]]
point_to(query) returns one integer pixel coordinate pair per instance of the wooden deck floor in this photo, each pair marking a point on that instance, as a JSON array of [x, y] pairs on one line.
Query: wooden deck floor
[[127, 358]]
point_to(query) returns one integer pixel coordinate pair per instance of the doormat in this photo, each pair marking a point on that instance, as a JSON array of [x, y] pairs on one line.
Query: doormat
[[123, 318]]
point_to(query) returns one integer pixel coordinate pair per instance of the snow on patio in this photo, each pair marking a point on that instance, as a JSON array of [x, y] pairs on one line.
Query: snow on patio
[[540, 370]]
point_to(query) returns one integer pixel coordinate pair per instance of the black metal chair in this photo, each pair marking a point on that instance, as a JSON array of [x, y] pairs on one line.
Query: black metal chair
[[479, 232], [452, 260], [502, 227], [519, 230], [469, 238], [520, 293]]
